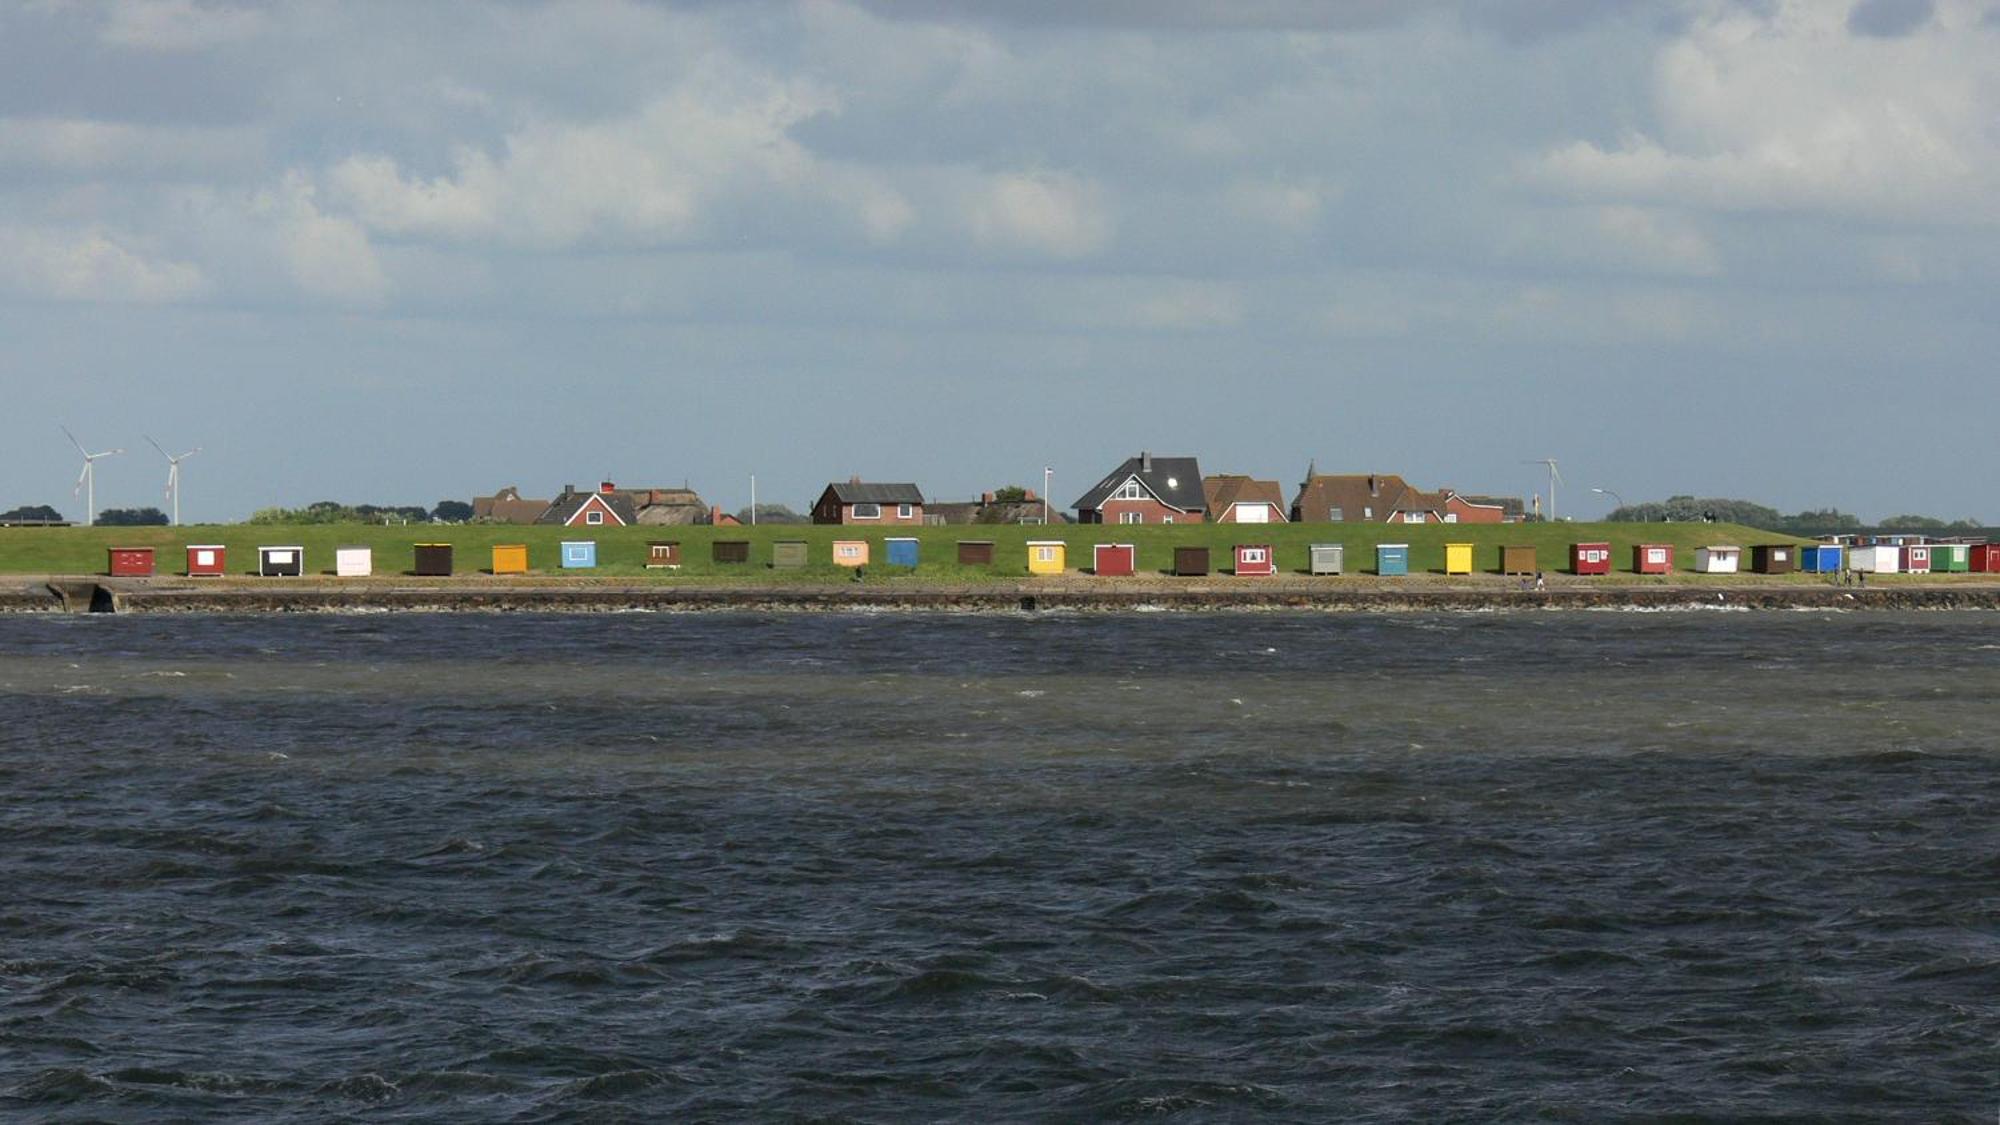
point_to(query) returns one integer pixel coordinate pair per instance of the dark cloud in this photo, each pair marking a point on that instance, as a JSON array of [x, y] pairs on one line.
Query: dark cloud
[[1889, 19]]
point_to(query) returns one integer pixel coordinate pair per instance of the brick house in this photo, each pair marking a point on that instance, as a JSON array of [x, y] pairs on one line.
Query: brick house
[[1146, 490], [606, 507], [881, 505], [1238, 499]]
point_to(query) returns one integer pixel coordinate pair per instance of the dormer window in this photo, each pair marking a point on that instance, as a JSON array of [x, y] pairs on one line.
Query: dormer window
[[1131, 490]]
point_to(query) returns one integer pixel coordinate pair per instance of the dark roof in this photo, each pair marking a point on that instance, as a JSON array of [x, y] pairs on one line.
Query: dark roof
[[1154, 473], [860, 492], [563, 507]]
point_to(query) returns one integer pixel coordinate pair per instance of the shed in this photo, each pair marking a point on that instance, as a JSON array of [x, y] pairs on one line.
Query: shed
[[510, 558], [433, 560], [1719, 559], [1518, 558], [1191, 562], [129, 562], [1879, 558], [1590, 558], [1256, 560], [281, 562], [1917, 558], [1951, 558], [353, 562], [900, 551], [207, 560], [788, 554], [1114, 560], [579, 554], [1047, 556], [850, 552], [1820, 558], [663, 554], [1984, 558], [1653, 558], [730, 551], [1327, 558], [1774, 558], [1458, 558], [1392, 559], [975, 552]]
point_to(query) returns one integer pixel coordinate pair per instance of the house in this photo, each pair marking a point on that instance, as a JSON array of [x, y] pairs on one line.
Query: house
[[666, 507], [1239, 499], [507, 506], [856, 502], [989, 509], [1363, 498], [606, 507], [1146, 489], [1461, 508]]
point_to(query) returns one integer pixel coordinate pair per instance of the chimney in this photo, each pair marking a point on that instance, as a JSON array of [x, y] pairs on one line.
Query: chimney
[[1145, 462], [569, 489], [714, 513], [606, 487], [855, 479], [1374, 485], [986, 498]]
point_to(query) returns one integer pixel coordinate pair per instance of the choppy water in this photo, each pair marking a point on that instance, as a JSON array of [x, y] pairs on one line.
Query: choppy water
[[1569, 866]]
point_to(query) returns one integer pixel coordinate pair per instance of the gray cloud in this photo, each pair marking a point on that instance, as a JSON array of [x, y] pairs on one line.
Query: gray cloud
[[1890, 19]]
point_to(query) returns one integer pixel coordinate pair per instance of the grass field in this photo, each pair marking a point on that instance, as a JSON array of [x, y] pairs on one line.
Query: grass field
[[622, 551]]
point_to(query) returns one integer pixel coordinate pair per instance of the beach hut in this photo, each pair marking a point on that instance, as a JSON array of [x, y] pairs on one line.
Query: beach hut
[[975, 552], [1392, 559], [1590, 558], [1951, 558], [900, 551], [1774, 558], [353, 562], [1718, 560], [1653, 558], [1255, 560], [433, 560], [663, 554], [730, 551], [207, 560], [1114, 560], [850, 552], [1458, 558], [1327, 558], [1191, 562], [128, 562], [1820, 558], [510, 558], [281, 562], [1047, 556], [1917, 558], [1875, 558], [1984, 558], [788, 554], [579, 554], [1517, 558]]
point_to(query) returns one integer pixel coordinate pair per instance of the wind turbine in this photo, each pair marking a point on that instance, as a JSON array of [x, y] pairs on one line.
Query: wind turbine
[[87, 481], [1555, 478], [174, 475]]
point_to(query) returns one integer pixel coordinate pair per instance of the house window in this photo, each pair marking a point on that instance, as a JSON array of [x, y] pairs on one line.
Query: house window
[[1367, 513], [1166, 519], [593, 517], [1130, 491], [1336, 515], [903, 511], [1451, 517], [868, 511], [1131, 517]]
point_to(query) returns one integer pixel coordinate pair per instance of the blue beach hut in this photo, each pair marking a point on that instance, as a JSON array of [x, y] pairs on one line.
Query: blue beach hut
[[901, 552], [579, 553], [1820, 558], [1392, 559]]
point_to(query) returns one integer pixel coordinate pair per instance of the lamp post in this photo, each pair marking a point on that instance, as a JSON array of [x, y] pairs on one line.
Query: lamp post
[[1045, 494], [1612, 494]]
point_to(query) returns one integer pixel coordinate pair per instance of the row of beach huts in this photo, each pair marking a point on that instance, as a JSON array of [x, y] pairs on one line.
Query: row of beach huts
[[1049, 557]]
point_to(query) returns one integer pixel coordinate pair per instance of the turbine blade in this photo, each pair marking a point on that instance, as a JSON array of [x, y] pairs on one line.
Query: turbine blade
[[80, 478], [156, 445], [73, 441]]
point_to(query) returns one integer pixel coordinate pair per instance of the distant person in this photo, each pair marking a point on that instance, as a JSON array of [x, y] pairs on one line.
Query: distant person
[[1541, 582]]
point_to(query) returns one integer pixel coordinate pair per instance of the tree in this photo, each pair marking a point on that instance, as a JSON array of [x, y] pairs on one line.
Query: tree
[[451, 511], [1691, 509], [1913, 523], [773, 513], [132, 517], [40, 512], [1012, 494]]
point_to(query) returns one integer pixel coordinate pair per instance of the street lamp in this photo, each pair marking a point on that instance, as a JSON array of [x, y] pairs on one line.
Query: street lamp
[[1612, 494], [1045, 495]]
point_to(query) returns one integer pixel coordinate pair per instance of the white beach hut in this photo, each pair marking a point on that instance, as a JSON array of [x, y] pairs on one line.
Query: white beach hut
[[1718, 560], [353, 562], [1878, 558]]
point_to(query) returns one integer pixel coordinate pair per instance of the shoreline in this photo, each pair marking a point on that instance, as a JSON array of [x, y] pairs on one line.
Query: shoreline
[[59, 594]]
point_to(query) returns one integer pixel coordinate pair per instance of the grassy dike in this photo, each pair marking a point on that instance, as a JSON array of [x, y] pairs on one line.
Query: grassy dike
[[622, 551]]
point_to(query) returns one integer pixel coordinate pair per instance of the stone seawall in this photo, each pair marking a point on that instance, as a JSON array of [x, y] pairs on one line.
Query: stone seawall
[[78, 595]]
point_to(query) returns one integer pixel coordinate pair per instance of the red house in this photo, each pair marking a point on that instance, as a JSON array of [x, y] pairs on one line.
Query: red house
[[1146, 489], [1255, 560], [607, 507], [1113, 560], [855, 502], [1590, 558], [1459, 508]]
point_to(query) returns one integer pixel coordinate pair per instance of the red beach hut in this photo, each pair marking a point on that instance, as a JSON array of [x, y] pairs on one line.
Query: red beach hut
[[1917, 558], [1653, 558], [129, 562], [1590, 558], [1255, 560], [1113, 560], [209, 560], [1986, 558]]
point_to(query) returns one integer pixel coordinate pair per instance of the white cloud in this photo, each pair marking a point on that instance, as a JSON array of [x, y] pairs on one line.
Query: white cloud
[[1288, 205], [1189, 306], [1789, 109], [91, 264], [178, 25], [325, 255], [77, 145], [1046, 213]]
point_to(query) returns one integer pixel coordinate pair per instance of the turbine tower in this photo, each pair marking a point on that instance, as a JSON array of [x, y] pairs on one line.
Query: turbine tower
[[174, 476], [86, 483], [1555, 478]]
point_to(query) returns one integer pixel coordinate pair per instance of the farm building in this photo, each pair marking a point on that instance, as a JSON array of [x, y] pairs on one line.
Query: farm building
[[579, 554], [1874, 558], [1821, 558], [858, 502], [129, 562], [1114, 560], [207, 560], [1190, 562], [1718, 560], [1653, 558], [850, 552], [281, 562], [1146, 490], [1392, 559], [510, 558], [900, 552], [606, 507], [1590, 558], [1327, 558], [1239, 499], [1047, 556], [353, 562], [1774, 558], [1256, 560], [432, 560], [1458, 558]]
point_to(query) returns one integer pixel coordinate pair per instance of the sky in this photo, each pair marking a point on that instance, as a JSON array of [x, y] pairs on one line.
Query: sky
[[397, 253]]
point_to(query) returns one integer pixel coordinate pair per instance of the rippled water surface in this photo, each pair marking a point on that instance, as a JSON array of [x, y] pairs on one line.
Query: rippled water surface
[[1559, 866]]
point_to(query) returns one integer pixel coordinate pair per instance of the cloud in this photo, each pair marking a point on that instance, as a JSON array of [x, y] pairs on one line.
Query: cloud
[[74, 145], [1046, 213], [178, 25], [325, 255], [1889, 19], [91, 264]]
